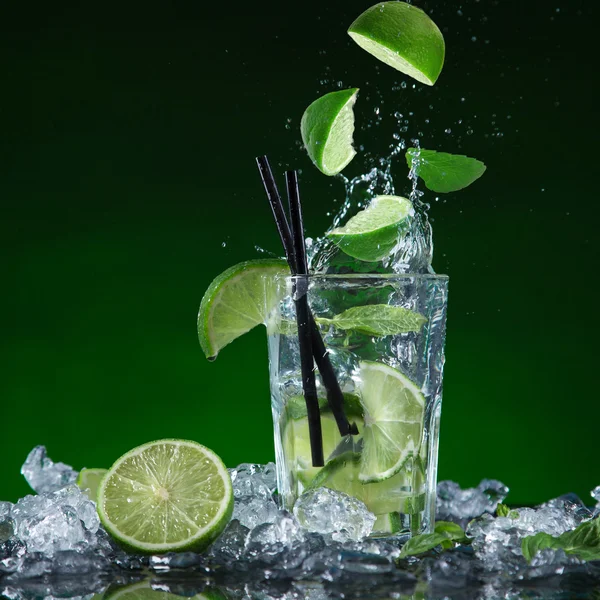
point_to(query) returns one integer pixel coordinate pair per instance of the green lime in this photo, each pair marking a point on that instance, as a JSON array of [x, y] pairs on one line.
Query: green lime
[[371, 234], [237, 300], [394, 410], [89, 481], [165, 496], [402, 36], [327, 127], [142, 590], [388, 524]]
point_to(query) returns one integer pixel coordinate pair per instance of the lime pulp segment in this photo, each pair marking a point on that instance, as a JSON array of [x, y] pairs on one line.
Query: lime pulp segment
[[238, 300], [166, 496]]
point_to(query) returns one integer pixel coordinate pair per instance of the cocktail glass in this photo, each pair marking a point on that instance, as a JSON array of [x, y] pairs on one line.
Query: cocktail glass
[[392, 388]]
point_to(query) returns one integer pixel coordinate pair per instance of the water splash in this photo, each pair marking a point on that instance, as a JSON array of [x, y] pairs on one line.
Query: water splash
[[414, 250]]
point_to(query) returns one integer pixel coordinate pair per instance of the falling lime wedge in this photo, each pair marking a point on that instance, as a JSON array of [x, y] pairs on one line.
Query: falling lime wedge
[[238, 300], [371, 234], [166, 496], [402, 36], [327, 127], [89, 481]]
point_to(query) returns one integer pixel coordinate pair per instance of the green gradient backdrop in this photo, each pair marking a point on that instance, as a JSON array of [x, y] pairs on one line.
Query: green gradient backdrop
[[127, 159]]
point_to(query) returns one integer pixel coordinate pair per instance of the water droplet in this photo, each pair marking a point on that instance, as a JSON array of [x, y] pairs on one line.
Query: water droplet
[[223, 244], [474, 38]]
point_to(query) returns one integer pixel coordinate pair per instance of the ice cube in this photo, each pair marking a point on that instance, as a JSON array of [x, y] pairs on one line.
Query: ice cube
[[6, 523], [254, 480], [251, 512], [231, 543], [497, 541], [57, 521], [43, 475], [572, 506], [460, 506], [270, 539], [327, 511]]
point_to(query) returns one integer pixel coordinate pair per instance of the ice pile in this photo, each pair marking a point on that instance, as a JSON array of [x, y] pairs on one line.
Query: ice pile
[[58, 532], [460, 506]]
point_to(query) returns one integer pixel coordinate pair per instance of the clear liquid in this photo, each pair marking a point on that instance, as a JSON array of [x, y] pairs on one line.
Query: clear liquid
[[404, 503]]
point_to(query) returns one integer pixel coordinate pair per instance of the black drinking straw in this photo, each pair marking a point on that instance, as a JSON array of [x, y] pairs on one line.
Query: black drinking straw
[[300, 288], [335, 396]]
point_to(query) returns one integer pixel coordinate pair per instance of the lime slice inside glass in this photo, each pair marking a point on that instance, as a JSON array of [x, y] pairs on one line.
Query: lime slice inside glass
[[403, 37], [238, 300], [371, 234], [327, 127], [165, 496], [394, 411], [89, 481]]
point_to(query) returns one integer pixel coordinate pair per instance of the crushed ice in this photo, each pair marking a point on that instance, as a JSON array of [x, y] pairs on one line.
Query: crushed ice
[[57, 531]]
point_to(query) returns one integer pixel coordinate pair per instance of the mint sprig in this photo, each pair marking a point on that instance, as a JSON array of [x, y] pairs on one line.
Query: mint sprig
[[377, 320], [445, 534], [583, 542], [443, 172]]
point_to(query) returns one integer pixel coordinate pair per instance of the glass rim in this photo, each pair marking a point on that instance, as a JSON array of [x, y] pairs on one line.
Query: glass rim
[[372, 276]]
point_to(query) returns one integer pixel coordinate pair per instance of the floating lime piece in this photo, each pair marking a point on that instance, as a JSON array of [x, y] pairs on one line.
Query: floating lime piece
[[89, 481], [238, 300], [166, 496], [327, 128], [403, 37], [371, 234], [144, 591], [443, 172], [394, 410]]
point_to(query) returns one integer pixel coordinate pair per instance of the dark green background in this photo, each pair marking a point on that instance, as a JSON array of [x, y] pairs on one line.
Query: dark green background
[[127, 145]]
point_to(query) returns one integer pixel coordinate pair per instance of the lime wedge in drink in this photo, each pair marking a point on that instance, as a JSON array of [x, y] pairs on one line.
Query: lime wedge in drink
[[237, 300], [394, 409], [165, 496], [89, 481], [402, 36], [371, 234], [327, 127]]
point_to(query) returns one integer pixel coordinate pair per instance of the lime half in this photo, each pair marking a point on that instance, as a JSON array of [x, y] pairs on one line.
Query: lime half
[[403, 37], [89, 481], [165, 496], [327, 128], [394, 410], [371, 234], [238, 300]]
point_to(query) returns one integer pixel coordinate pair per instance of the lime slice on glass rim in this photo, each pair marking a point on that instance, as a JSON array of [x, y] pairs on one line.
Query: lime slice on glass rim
[[394, 411], [372, 233], [166, 496], [89, 480], [403, 37], [327, 127], [238, 300]]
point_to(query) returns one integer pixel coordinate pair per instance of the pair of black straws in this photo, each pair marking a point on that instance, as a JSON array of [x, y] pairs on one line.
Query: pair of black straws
[[312, 347]]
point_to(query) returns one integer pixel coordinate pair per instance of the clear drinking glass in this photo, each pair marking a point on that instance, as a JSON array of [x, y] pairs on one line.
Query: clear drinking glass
[[392, 388]]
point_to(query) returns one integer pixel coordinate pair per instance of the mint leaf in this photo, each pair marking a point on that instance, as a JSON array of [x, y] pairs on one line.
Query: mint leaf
[[422, 543], [445, 534], [583, 541], [504, 511], [377, 319], [443, 172], [451, 530]]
